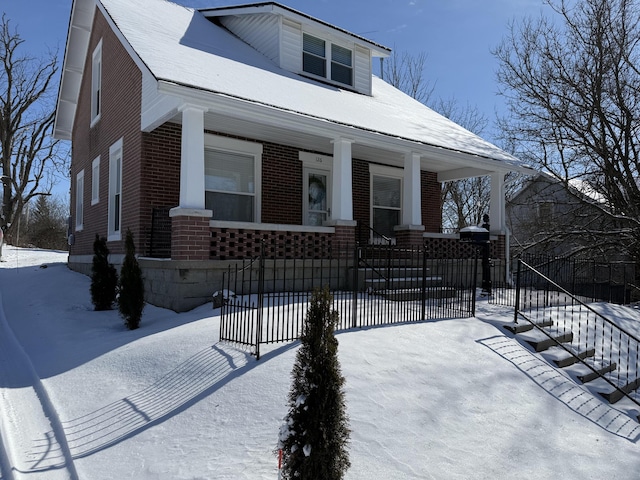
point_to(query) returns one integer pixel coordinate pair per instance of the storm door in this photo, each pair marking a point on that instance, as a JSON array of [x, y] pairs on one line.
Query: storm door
[[316, 196]]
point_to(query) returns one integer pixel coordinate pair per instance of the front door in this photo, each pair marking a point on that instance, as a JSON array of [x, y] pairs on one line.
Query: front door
[[316, 195]]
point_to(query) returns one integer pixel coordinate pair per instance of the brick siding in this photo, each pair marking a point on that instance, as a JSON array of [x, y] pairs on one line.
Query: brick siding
[[119, 118]]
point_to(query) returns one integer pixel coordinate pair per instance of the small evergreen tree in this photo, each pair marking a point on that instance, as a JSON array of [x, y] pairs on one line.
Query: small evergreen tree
[[315, 432], [104, 278], [131, 296]]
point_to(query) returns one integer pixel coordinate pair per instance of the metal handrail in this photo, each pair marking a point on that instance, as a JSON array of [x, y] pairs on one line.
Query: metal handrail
[[613, 326], [371, 230]]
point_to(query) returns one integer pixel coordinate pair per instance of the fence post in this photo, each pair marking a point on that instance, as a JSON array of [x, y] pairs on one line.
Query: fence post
[[517, 303], [474, 283], [354, 297], [260, 299], [423, 293]]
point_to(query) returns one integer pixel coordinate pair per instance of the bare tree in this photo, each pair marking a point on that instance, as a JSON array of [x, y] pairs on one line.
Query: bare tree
[[572, 85], [30, 156], [464, 201], [406, 73]]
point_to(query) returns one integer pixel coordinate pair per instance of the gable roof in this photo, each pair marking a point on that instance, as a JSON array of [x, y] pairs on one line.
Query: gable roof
[[180, 47]]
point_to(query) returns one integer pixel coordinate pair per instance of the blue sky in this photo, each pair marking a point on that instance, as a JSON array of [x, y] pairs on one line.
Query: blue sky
[[456, 35]]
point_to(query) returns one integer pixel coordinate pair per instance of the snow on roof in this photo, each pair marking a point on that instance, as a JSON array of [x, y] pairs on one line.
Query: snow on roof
[[278, 8], [179, 45]]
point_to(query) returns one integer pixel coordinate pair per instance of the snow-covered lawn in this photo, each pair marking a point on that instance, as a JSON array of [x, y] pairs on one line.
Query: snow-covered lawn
[[83, 398]]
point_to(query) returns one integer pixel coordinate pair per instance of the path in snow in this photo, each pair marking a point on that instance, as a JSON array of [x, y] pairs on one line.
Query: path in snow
[[25, 407]]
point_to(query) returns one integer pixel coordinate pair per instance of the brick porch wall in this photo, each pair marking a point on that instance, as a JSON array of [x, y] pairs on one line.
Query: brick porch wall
[[454, 248], [190, 238]]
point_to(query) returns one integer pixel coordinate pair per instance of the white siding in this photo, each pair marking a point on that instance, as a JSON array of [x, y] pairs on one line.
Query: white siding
[[260, 31], [362, 70], [291, 46]]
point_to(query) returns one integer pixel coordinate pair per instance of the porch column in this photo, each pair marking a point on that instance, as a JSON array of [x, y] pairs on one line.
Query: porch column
[[409, 234], [411, 206], [342, 204], [496, 205], [190, 231], [192, 158]]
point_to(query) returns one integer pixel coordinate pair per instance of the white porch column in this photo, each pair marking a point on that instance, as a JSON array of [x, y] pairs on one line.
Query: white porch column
[[496, 206], [412, 200], [342, 204], [192, 158]]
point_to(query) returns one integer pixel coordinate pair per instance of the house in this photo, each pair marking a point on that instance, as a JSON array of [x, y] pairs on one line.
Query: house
[[239, 124], [553, 218]]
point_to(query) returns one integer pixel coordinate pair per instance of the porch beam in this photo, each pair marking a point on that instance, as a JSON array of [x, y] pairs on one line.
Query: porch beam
[[342, 180], [461, 174], [412, 200], [192, 157]]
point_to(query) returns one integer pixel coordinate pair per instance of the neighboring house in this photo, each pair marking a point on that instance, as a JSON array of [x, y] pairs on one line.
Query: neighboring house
[[235, 125], [547, 217]]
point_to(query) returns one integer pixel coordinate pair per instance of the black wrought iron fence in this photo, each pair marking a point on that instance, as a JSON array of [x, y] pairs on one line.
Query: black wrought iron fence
[[590, 280], [159, 242], [605, 348], [265, 299]]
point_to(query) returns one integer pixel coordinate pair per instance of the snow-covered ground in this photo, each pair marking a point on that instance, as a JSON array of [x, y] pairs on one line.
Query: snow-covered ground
[[83, 398]]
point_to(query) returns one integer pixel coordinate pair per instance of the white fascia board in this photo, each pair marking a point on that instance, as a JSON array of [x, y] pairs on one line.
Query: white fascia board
[[461, 174], [75, 53], [156, 108], [299, 122]]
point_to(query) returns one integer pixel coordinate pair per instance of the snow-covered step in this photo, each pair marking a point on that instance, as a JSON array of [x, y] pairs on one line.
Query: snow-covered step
[[408, 294], [526, 326], [542, 341], [617, 394]]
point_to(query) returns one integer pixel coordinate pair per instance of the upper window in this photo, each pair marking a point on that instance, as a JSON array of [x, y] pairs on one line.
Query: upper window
[[95, 181], [96, 83], [232, 179], [316, 51], [115, 191], [80, 201]]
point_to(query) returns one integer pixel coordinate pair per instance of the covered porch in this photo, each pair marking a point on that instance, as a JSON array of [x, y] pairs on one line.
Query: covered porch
[[345, 185]]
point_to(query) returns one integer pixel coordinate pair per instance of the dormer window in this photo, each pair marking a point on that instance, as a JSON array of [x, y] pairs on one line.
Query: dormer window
[[315, 52]]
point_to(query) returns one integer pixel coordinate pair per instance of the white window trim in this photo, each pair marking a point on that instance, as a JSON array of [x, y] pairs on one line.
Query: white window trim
[[80, 201], [320, 163], [96, 84], [244, 148], [115, 152], [383, 171], [328, 41], [95, 181]]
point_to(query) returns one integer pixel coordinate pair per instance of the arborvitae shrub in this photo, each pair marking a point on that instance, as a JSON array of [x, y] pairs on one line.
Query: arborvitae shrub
[[131, 295], [315, 434], [104, 278]]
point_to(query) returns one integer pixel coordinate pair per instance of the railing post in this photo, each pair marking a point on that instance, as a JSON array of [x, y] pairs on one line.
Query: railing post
[[354, 294], [423, 293], [260, 299], [474, 283], [517, 303]]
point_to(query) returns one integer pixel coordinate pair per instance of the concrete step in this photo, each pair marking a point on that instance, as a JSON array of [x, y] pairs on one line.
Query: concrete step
[[412, 294], [575, 358], [544, 344], [401, 282], [526, 326], [599, 371], [618, 394]]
